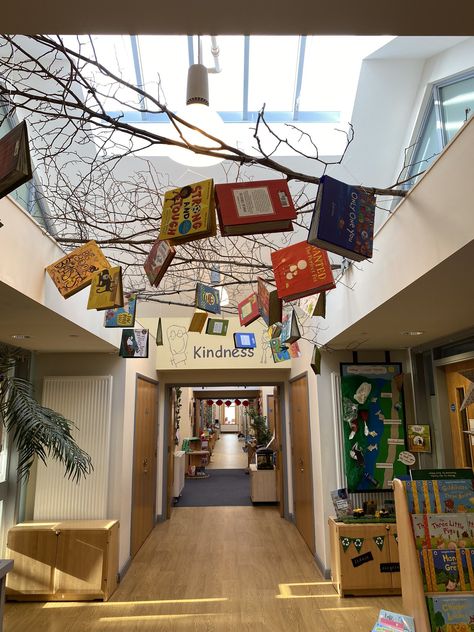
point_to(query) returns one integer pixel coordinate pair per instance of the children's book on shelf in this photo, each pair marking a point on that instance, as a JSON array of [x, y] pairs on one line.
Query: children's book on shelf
[[189, 213], [342, 503], [435, 531], [269, 305], [301, 270], [158, 261], [15, 161], [217, 327], [248, 310], [343, 219], [440, 496], [122, 316], [106, 289], [207, 298], [134, 343], [290, 330], [246, 208], [425, 569], [451, 613], [74, 271], [445, 570], [197, 321]]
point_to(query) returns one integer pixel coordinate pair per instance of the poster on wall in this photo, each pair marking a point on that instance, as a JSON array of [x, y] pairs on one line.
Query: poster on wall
[[419, 438], [373, 416]]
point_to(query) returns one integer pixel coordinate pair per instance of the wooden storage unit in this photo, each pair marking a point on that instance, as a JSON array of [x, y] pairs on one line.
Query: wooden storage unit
[[55, 561], [262, 485], [368, 571]]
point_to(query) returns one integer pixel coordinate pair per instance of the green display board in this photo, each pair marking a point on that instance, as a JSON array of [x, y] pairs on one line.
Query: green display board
[[373, 415]]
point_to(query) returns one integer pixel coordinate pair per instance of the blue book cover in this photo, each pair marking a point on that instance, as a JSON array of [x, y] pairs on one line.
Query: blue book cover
[[280, 352], [207, 298], [445, 568], [420, 497], [343, 219], [453, 496], [122, 316], [451, 612]]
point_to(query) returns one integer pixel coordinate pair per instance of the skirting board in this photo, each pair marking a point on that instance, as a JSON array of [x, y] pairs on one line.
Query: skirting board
[[325, 572], [124, 569]]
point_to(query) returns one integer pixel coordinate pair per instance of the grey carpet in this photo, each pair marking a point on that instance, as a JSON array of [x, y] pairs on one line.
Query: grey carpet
[[222, 488]]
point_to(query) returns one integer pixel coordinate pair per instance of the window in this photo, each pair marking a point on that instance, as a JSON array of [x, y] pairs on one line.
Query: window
[[451, 104]]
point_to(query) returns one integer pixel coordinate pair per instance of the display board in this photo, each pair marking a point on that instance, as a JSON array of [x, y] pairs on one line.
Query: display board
[[373, 415]]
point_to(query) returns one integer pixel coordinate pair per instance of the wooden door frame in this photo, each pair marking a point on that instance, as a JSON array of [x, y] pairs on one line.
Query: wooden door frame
[[166, 431], [140, 376], [310, 434]]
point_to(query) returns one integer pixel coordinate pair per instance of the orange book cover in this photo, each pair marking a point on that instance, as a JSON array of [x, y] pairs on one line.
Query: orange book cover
[[75, 271], [106, 289], [301, 270]]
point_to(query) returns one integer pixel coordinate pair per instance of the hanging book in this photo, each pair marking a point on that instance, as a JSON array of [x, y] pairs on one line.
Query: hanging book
[[248, 310], [189, 213], [106, 289], [294, 350], [217, 327], [157, 262], [197, 322], [207, 298], [320, 308], [301, 270], [244, 340], [159, 334], [15, 162], [122, 316], [290, 330], [269, 305], [280, 352], [134, 343], [246, 208], [316, 361], [75, 271], [274, 331], [343, 219]]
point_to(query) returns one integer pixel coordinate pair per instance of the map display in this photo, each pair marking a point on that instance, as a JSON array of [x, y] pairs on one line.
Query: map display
[[373, 416]]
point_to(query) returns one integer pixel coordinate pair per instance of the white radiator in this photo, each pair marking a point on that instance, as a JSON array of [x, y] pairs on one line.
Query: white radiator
[[87, 401], [178, 481]]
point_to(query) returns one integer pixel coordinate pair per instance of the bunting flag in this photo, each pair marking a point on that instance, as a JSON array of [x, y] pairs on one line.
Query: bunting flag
[[345, 542], [358, 543], [379, 541]]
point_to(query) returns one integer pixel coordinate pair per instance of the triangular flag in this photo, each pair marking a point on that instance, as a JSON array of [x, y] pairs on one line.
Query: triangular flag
[[379, 541], [345, 542], [358, 543], [159, 334], [320, 307]]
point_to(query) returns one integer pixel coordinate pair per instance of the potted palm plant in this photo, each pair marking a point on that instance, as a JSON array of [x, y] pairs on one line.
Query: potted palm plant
[[36, 431]]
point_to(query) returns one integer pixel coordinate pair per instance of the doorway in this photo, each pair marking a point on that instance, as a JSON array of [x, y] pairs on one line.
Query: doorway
[[144, 462], [461, 421]]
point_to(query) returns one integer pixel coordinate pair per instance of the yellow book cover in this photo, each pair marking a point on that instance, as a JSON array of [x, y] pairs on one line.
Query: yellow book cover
[[74, 272], [106, 289], [198, 321], [189, 213]]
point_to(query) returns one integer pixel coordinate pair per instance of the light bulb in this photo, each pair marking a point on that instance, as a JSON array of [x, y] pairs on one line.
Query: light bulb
[[209, 121]]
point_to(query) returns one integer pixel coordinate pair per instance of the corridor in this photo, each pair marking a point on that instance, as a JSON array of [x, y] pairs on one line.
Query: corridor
[[214, 569]]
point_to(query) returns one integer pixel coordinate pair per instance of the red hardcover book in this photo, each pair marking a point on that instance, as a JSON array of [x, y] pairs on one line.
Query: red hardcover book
[[246, 208], [157, 262], [15, 162], [248, 310], [301, 270]]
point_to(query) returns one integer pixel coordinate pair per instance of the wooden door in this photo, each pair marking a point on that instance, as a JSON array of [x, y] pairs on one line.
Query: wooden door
[[278, 447], [301, 459], [458, 386], [144, 462]]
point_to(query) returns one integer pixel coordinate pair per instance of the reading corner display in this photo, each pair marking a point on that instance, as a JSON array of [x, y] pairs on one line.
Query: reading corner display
[[246, 208], [373, 416], [134, 343], [269, 305], [217, 327], [244, 340], [122, 316], [106, 289], [158, 261], [15, 163], [207, 298], [189, 213], [343, 220], [75, 271], [248, 310], [301, 270]]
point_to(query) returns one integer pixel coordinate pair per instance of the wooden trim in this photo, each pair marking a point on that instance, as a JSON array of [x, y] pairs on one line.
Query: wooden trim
[[298, 377]]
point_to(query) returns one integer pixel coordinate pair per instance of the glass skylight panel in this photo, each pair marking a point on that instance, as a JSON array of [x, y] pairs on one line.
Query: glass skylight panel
[[273, 63], [226, 87]]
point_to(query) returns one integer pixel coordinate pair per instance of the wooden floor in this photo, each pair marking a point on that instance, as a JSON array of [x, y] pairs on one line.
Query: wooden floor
[[228, 453], [212, 569]]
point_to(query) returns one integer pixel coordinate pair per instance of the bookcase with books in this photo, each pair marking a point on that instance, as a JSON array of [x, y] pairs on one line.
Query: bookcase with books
[[435, 525]]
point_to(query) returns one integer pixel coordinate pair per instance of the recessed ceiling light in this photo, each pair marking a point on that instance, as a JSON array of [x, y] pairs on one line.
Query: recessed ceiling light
[[412, 333], [20, 337]]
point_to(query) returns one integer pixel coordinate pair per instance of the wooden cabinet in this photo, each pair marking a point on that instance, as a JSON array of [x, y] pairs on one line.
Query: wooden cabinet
[[70, 560], [262, 485], [364, 558]]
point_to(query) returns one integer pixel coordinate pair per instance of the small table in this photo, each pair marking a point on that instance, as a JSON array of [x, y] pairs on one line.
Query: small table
[[262, 485]]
